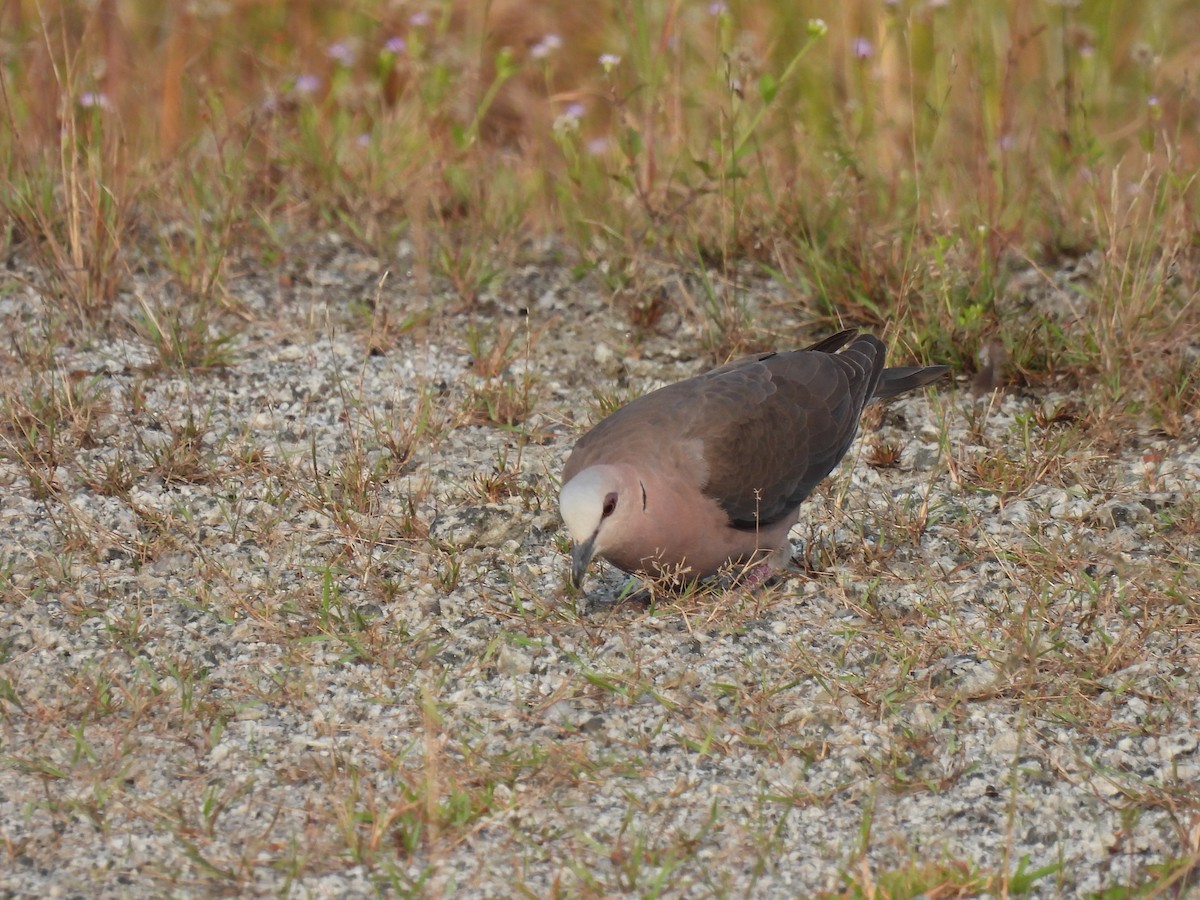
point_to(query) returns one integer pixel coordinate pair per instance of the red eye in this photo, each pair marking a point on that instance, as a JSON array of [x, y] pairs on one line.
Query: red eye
[[610, 504]]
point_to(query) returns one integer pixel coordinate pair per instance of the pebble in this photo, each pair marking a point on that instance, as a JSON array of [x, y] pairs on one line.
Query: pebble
[[289, 631]]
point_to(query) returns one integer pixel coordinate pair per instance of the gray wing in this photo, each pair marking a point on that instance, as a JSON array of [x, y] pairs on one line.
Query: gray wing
[[774, 426]]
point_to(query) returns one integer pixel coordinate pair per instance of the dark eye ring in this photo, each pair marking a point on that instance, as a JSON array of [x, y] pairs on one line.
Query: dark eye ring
[[610, 505]]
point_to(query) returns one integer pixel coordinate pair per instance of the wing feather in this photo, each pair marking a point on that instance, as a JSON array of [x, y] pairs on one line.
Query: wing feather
[[777, 426]]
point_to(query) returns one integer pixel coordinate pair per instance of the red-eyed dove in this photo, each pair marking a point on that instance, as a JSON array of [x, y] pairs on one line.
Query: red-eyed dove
[[712, 470]]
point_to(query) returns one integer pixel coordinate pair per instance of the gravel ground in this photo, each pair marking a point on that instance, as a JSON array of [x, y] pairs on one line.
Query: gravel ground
[[300, 624]]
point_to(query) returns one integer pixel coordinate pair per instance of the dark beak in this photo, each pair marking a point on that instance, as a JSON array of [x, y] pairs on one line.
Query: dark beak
[[581, 555]]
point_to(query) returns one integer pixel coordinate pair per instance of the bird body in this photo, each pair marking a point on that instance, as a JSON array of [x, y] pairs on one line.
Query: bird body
[[712, 470]]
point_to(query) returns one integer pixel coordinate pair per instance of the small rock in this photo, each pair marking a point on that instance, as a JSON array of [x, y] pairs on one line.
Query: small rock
[[1017, 512], [510, 661], [478, 526], [1006, 743], [1174, 745], [1116, 513]]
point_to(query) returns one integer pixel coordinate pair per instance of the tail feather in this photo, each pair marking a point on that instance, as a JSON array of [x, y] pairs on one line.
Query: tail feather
[[889, 382], [899, 379], [834, 342]]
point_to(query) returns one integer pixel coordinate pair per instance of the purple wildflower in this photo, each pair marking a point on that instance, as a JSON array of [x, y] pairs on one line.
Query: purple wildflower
[[341, 53], [307, 84]]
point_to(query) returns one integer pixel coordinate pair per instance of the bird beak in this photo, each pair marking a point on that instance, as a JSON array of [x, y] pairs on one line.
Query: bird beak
[[581, 555]]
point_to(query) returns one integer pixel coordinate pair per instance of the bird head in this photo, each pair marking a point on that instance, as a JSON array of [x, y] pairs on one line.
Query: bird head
[[594, 504]]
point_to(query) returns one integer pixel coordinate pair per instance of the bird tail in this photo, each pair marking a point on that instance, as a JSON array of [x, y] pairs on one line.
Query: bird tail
[[869, 350], [905, 378]]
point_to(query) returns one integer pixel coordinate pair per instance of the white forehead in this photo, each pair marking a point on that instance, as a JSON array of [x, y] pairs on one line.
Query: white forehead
[[581, 500]]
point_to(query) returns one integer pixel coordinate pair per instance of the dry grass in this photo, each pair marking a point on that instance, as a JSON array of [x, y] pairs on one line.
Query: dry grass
[[1015, 178], [890, 164]]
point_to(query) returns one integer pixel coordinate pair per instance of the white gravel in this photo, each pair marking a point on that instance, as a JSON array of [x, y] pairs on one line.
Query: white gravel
[[286, 660]]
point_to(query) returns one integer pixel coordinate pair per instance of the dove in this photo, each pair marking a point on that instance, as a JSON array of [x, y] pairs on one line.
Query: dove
[[710, 472]]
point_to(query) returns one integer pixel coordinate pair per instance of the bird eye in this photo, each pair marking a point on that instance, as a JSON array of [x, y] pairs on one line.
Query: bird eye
[[610, 505]]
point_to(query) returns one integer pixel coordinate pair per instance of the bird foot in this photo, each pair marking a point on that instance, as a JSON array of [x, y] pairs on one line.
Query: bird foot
[[757, 576]]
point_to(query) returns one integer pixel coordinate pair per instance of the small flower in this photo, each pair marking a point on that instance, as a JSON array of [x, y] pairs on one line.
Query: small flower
[[1152, 101], [94, 100], [1005, 142], [718, 9], [307, 84], [609, 61], [341, 53], [817, 28], [568, 121], [363, 140], [419, 19], [396, 46], [547, 45], [1142, 54], [566, 124], [597, 146], [862, 48]]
